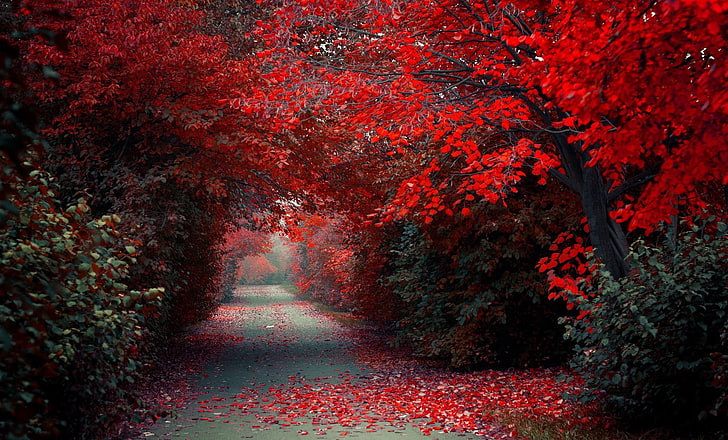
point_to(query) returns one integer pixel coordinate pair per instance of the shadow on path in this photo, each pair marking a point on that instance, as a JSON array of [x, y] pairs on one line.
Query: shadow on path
[[284, 371]]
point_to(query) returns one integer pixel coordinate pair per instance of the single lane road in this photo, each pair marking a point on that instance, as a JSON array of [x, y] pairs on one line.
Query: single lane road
[[287, 371]]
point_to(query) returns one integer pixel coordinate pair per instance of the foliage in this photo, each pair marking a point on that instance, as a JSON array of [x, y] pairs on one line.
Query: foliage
[[238, 245], [255, 270], [280, 258], [498, 91], [548, 427], [19, 128], [339, 263], [267, 263], [471, 293], [464, 291], [178, 234], [70, 328], [656, 342], [190, 119], [370, 264], [322, 260], [132, 117]]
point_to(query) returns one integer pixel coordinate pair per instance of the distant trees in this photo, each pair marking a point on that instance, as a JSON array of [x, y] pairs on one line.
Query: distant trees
[[269, 265]]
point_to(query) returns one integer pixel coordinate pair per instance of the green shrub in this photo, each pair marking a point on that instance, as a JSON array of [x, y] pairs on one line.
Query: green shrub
[[70, 329], [656, 342], [471, 293]]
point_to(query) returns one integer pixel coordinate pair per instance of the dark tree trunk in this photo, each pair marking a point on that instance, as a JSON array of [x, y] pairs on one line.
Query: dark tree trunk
[[606, 235]]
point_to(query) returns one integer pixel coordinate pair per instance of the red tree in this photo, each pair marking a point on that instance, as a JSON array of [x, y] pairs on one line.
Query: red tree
[[255, 269], [622, 102], [133, 116], [243, 258]]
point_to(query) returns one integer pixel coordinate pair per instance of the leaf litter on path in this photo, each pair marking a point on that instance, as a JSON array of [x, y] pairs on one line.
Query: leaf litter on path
[[277, 368]]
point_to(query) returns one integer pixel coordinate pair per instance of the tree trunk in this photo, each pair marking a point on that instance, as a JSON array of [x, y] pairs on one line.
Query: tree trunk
[[606, 235]]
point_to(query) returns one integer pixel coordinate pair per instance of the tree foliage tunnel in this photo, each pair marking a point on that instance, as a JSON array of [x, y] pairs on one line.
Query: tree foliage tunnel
[[468, 173]]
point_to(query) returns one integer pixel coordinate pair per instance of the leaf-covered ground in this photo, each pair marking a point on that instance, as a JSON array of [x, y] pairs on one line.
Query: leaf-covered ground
[[270, 366]]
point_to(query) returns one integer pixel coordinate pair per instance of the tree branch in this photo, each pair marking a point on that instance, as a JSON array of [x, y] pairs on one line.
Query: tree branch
[[633, 182]]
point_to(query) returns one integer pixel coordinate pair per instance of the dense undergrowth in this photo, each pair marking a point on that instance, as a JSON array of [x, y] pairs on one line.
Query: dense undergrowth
[[106, 246], [72, 330], [655, 343], [651, 346]]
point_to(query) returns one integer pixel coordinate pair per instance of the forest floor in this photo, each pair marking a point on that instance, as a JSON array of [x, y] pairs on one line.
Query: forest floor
[[270, 366]]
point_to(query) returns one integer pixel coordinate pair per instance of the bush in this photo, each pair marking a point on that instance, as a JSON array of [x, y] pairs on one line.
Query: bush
[[655, 343], [471, 293], [69, 327]]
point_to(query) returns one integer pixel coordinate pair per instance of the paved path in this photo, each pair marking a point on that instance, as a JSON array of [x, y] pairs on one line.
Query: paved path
[[285, 371]]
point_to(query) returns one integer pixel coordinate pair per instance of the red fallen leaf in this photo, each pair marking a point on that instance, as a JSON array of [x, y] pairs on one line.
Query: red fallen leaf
[[302, 432]]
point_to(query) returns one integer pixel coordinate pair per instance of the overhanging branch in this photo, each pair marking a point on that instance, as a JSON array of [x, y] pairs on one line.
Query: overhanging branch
[[633, 182]]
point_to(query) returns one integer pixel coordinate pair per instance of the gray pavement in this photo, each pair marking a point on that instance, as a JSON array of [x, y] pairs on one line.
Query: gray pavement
[[285, 372]]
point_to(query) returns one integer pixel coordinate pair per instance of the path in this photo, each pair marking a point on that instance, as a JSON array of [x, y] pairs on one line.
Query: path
[[286, 371]]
